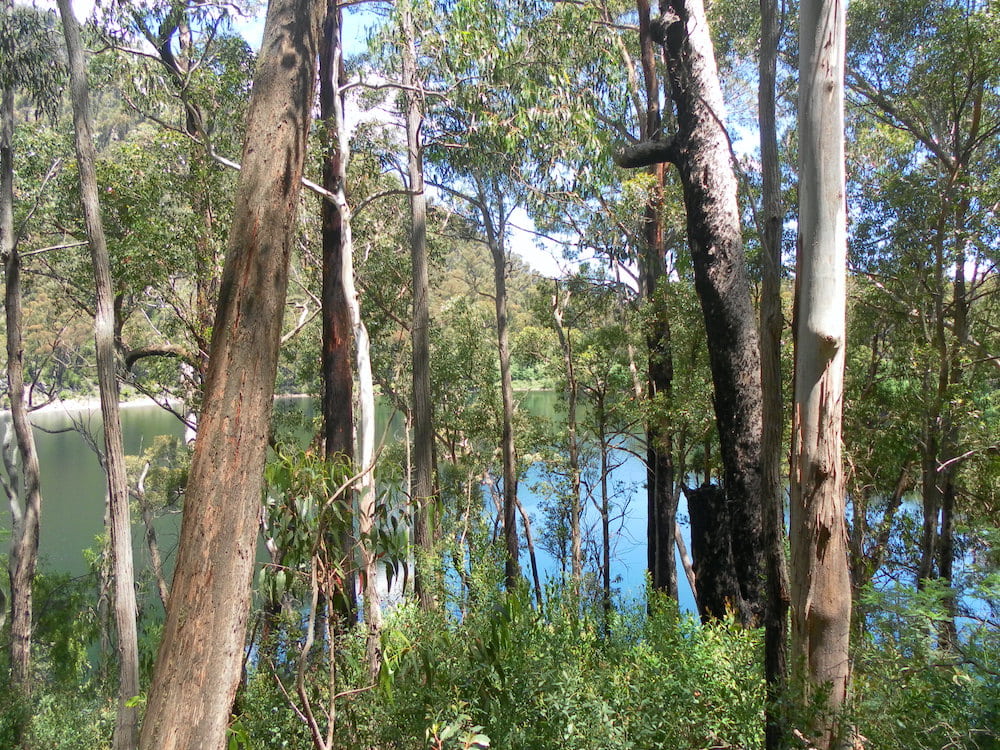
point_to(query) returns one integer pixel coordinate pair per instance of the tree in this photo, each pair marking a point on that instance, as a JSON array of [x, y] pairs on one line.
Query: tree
[[772, 410], [821, 587], [422, 491], [337, 337], [560, 301], [364, 434], [127, 721], [700, 150], [198, 665], [662, 500], [931, 196], [29, 38]]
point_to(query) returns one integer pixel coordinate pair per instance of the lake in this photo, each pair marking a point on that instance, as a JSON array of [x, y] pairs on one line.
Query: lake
[[73, 490]]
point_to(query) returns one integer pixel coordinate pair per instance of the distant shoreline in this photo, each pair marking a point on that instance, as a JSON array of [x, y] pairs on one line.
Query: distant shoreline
[[93, 404], [73, 405]]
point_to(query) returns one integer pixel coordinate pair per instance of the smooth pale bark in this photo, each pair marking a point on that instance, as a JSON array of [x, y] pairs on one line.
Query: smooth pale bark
[[200, 659], [529, 542], [337, 336], [820, 585], [772, 412], [422, 412], [23, 487], [152, 544], [364, 435], [715, 238], [127, 717]]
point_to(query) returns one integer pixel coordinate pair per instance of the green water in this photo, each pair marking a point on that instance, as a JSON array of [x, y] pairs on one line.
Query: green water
[[74, 487]]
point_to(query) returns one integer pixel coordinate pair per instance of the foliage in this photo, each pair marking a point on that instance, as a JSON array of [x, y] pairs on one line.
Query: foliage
[[908, 692], [528, 680]]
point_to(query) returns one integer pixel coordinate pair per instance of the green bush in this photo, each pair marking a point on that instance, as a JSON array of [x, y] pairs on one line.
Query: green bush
[[912, 694]]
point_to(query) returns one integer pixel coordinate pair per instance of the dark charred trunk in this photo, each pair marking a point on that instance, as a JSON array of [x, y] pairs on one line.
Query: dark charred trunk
[[711, 539], [715, 240]]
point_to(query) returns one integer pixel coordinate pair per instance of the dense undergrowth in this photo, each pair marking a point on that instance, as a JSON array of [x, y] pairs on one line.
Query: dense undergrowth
[[492, 670]]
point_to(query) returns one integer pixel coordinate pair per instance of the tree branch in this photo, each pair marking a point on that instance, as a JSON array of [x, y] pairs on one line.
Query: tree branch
[[647, 153]]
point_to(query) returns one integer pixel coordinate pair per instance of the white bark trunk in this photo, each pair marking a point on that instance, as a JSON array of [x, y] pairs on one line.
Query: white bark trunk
[[365, 430], [821, 592]]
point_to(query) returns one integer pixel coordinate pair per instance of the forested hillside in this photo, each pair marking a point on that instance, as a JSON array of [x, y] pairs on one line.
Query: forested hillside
[[558, 287]]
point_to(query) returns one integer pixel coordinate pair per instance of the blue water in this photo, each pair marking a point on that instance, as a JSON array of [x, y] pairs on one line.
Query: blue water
[[74, 494]]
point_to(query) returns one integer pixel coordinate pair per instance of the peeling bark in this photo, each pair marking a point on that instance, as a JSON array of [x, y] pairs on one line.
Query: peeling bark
[[820, 586]]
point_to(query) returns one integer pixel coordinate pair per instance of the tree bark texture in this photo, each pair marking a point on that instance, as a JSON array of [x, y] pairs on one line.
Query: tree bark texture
[[559, 303], [512, 566], [772, 412], [364, 434], [120, 532], [23, 487], [660, 496], [422, 489], [821, 587], [200, 658], [711, 549], [714, 235], [337, 337]]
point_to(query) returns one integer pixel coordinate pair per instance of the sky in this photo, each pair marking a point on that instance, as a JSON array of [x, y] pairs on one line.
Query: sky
[[545, 260]]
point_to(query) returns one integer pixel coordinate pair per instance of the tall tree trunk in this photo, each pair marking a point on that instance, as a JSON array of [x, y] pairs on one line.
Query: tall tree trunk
[[661, 498], [199, 663], [702, 154], [559, 303], [23, 486], [529, 542], [155, 559], [422, 488], [337, 375], [494, 238], [364, 445], [772, 411], [602, 442], [821, 586], [127, 721]]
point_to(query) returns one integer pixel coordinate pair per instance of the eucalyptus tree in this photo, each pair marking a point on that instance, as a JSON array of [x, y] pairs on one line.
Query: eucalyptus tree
[[926, 77], [337, 374], [200, 658], [700, 150], [364, 432], [820, 583], [560, 301], [30, 66], [772, 404], [422, 491], [181, 68], [405, 50], [476, 156], [127, 716]]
